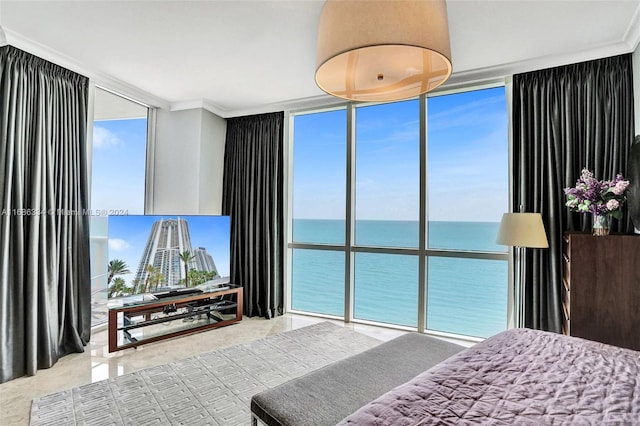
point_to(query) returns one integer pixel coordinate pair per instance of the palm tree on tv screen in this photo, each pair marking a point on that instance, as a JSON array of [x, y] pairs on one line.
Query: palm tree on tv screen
[[197, 277], [152, 272], [135, 283], [116, 267], [186, 257], [118, 288], [157, 277]]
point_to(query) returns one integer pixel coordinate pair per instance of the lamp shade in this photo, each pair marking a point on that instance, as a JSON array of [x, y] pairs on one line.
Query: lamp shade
[[522, 230], [382, 50]]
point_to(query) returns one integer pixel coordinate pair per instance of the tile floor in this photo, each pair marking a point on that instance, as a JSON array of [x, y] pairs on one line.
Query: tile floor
[[96, 363]]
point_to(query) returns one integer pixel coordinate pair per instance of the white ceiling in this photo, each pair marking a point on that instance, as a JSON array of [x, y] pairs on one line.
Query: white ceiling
[[243, 57]]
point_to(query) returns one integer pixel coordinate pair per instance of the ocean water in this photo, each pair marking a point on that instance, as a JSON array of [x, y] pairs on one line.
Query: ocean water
[[464, 296]]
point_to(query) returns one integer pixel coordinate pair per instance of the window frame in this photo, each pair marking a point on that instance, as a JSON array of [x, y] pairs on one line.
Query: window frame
[[422, 251], [149, 168]]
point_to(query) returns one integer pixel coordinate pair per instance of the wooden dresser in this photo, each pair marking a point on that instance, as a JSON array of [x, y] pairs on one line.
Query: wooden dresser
[[601, 294]]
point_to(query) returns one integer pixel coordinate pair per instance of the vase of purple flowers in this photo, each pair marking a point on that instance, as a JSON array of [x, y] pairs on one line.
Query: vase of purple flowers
[[602, 198]]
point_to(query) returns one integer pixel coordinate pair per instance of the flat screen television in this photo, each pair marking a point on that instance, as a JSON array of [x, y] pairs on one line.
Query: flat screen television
[[159, 253]]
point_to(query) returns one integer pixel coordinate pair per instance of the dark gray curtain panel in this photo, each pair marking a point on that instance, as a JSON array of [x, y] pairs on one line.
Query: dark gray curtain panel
[[252, 196], [565, 119], [44, 235]]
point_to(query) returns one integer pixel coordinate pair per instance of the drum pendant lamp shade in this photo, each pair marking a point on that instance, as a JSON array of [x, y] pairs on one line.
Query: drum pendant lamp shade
[[382, 50]]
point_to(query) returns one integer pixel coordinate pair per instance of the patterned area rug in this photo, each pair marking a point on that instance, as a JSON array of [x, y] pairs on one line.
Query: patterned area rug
[[209, 389]]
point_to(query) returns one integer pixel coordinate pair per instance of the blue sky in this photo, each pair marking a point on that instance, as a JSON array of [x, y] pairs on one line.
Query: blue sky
[[118, 167], [468, 156], [128, 236], [467, 160]]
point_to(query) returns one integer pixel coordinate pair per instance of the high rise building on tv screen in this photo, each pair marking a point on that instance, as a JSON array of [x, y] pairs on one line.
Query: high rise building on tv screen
[[204, 261], [167, 239]]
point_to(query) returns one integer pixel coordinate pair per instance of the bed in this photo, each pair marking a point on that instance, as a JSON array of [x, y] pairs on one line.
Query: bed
[[520, 376]]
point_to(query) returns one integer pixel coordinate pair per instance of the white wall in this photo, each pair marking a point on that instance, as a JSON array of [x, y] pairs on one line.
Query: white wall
[[188, 162], [213, 135]]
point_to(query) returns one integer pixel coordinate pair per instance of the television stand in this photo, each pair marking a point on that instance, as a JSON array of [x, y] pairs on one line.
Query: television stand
[[144, 318]]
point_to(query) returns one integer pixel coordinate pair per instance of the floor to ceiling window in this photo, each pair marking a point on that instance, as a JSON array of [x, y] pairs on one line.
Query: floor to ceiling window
[[414, 190], [387, 209], [467, 192], [118, 170], [319, 216]]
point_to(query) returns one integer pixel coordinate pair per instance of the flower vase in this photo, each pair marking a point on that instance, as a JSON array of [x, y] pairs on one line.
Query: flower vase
[[600, 225]]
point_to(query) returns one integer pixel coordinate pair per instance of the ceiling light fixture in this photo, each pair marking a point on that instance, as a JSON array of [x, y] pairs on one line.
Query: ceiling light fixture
[[382, 50]]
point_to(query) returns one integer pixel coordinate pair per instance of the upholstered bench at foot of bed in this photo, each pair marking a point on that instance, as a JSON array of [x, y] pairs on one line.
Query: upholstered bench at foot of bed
[[327, 395]]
